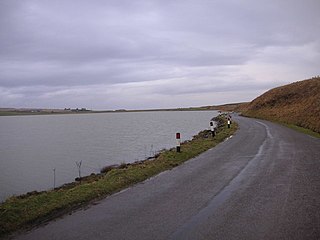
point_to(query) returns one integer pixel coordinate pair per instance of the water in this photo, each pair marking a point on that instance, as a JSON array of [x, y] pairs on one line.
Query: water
[[32, 146]]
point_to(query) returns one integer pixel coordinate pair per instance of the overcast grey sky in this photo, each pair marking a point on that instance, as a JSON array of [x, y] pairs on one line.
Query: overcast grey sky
[[138, 54]]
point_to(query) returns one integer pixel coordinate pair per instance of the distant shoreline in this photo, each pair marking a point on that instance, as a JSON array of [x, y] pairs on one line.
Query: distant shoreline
[[37, 111], [32, 113]]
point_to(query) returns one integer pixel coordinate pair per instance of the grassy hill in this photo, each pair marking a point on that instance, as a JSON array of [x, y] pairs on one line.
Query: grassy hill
[[231, 107], [297, 103]]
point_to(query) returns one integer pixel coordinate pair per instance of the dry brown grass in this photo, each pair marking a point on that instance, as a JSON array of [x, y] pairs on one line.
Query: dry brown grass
[[231, 107], [297, 103]]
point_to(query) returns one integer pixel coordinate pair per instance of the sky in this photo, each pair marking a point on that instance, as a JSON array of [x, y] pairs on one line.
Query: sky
[[146, 54]]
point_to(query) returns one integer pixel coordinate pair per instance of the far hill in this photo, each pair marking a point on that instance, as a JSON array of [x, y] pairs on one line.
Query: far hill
[[297, 103]]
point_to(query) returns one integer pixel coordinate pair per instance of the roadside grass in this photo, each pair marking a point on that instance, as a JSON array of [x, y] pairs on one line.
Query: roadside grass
[[278, 121], [302, 130], [25, 211]]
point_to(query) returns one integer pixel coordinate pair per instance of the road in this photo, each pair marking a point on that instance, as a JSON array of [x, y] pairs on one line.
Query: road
[[263, 183]]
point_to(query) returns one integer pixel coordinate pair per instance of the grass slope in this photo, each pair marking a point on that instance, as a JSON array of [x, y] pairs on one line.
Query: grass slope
[[27, 210], [293, 104]]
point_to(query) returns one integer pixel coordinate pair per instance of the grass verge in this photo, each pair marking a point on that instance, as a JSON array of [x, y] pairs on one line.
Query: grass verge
[[20, 212], [301, 129], [289, 125]]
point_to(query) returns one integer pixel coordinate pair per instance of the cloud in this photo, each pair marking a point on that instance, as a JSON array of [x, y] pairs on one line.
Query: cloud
[[152, 53]]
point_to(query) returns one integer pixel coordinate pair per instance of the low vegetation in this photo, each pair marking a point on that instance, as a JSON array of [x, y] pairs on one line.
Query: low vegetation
[[295, 105], [25, 111], [20, 212], [236, 107]]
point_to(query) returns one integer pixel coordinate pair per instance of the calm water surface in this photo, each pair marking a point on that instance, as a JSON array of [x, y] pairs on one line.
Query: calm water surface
[[32, 146]]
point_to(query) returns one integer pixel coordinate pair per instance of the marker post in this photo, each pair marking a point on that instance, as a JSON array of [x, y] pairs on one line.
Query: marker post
[[178, 142], [212, 129]]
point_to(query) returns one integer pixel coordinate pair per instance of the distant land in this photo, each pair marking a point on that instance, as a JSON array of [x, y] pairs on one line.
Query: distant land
[[296, 103], [37, 111]]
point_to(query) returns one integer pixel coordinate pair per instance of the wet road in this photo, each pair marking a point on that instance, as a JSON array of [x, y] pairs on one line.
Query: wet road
[[263, 183]]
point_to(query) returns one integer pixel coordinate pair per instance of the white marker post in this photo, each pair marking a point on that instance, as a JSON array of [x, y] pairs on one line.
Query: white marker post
[[212, 129], [178, 142], [229, 122]]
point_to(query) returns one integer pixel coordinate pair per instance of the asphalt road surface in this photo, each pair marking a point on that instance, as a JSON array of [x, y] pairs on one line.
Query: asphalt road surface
[[263, 183]]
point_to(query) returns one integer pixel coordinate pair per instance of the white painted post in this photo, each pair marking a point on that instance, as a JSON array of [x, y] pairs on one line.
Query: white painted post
[[178, 142], [212, 129], [229, 123]]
